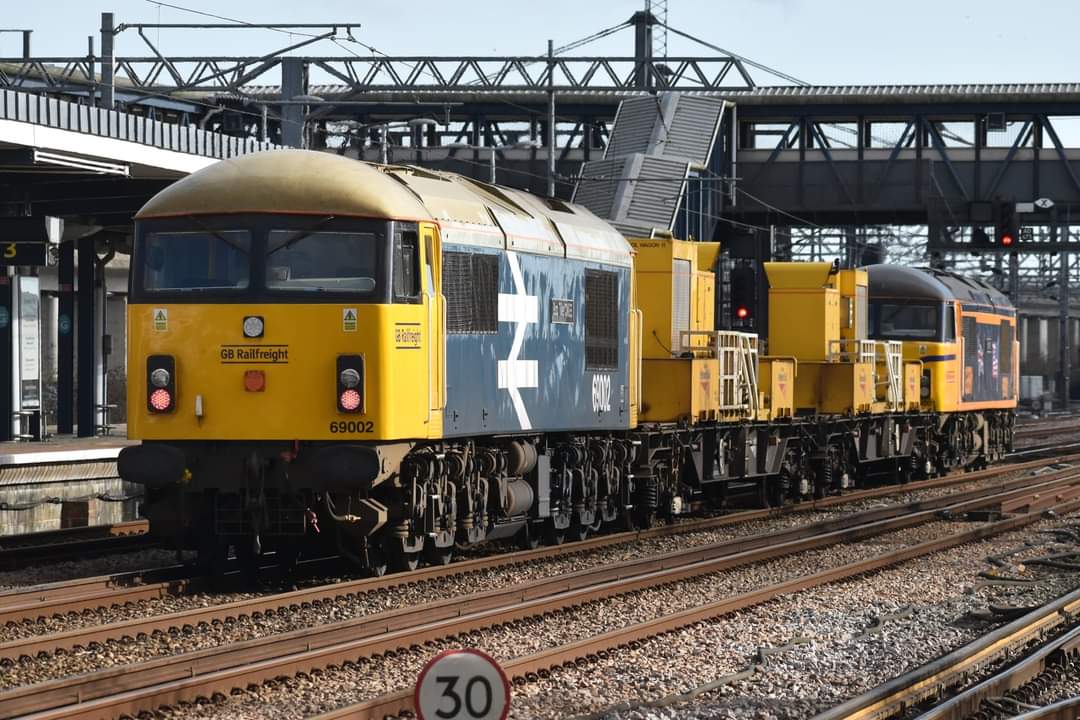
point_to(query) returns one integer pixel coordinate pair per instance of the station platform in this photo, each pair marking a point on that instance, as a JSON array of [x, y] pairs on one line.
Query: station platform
[[21, 452], [64, 481]]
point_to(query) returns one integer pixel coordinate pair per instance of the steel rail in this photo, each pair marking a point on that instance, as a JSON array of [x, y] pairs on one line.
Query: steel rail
[[1042, 449], [130, 689], [927, 681], [1044, 429], [43, 595], [52, 545], [1011, 678], [79, 595], [529, 667], [62, 535], [823, 532], [1065, 710]]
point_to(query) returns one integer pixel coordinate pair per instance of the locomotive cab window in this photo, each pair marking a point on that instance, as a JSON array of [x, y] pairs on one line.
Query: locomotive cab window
[[218, 260], [907, 321], [321, 261], [406, 267]]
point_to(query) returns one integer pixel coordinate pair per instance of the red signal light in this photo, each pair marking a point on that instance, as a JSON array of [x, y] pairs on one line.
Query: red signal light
[[741, 312], [350, 400], [1007, 240], [160, 400]]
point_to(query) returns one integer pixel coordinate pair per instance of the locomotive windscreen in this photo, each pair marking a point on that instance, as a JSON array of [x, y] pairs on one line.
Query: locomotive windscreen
[[320, 261], [186, 261], [273, 258], [910, 321]]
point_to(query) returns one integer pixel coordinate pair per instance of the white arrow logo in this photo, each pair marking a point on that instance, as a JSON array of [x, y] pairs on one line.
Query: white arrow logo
[[524, 310]]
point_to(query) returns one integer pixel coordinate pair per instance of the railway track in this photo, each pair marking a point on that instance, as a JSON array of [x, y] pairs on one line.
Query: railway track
[[1064, 710], [19, 551], [1045, 429], [528, 668], [895, 698], [216, 671], [77, 596]]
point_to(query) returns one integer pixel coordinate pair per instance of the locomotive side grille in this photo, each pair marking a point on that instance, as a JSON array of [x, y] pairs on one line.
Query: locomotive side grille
[[601, 320], [680, 301], [456, 272], [471, 286], [485, 293]]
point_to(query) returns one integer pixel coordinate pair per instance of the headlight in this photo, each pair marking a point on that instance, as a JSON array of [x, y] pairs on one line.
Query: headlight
[[350, 378], [159, 378], [253, 326]]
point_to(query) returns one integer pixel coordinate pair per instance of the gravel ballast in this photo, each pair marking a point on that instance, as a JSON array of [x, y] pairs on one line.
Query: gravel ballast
[[922, 608], [375, 601]]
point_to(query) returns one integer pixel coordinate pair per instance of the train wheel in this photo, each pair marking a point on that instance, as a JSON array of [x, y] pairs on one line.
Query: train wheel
[[287, 557], [578, 531], [644, 518], [776, 490], [438, 555], [555, 536], [904, 470], [623, 523], [248, 558], [377, 564], [401, 560], [208, 553], [213, 555], [528, 538]]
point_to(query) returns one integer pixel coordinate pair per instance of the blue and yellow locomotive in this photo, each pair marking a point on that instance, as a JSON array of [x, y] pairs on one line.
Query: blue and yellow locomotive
[[391, 361]]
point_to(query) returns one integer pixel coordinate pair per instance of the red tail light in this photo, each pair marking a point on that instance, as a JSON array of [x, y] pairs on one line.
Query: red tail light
[[350, 401], [160, 383], [350, 383], [160, 400]]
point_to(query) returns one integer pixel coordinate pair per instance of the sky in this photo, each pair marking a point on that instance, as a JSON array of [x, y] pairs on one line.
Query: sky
[[819, 41]]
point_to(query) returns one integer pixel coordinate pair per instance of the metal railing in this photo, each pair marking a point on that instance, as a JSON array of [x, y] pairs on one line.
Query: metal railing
[[738, 371], [889, 354], [886, 357], [851, 351], [64, 115]]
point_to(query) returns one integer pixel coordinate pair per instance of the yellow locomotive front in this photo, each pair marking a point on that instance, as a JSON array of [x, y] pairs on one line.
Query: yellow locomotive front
[[296, 309]]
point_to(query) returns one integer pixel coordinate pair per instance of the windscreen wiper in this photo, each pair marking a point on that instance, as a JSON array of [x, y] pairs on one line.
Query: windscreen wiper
[[301, 234], [217, 234]]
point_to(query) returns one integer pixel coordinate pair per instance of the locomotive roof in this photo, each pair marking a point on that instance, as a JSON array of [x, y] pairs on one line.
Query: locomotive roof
[[898, 281], [469, 212]]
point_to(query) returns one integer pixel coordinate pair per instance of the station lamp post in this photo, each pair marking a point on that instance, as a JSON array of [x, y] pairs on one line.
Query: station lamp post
[[387, 127]]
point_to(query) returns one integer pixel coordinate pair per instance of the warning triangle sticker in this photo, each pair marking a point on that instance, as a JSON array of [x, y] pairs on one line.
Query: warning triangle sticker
[[348, 319]]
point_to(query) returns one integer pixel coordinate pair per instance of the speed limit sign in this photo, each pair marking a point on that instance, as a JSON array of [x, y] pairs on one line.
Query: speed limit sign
[[462, 685]]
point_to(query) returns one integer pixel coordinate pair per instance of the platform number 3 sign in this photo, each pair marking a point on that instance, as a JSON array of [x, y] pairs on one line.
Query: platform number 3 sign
[[462, 685]]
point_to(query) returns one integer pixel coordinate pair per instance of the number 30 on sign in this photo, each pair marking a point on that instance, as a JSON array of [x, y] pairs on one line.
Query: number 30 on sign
[[462, 685]]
